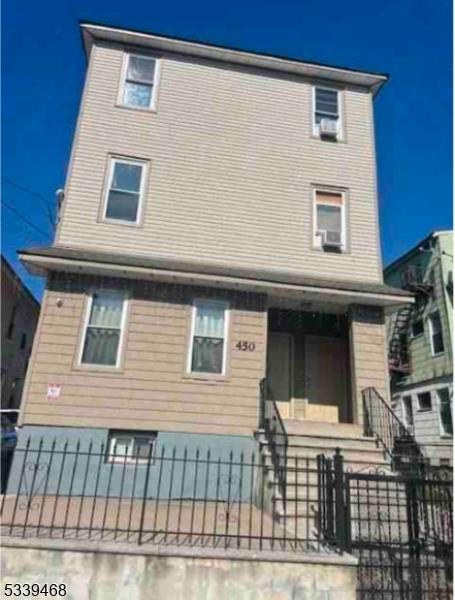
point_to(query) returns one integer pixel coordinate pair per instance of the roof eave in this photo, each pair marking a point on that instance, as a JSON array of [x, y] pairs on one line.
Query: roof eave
[[91, 32], [40, 265]]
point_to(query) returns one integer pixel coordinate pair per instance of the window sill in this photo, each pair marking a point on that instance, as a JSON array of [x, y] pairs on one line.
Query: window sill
[[424, 410], [206, 378], [438, 354], [343, 252], [130, 462], [119, 222], [337, 140], [104, 369], [140, 109]]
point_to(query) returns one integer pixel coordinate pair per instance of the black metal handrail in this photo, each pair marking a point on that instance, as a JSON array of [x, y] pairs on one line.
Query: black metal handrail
[[275, 433], [381, 422]]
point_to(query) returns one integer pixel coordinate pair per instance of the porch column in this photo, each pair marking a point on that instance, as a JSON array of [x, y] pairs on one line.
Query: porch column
[[368, 354]]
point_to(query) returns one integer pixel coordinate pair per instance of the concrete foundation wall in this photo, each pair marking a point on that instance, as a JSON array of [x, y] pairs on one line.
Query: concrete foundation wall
[[103, 575], [91, 474]]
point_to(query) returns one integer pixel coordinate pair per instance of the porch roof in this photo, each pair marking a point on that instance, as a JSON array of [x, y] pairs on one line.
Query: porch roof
[[40, 260]]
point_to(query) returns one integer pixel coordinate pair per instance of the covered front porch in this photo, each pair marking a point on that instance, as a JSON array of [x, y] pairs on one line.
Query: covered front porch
[[308, 365], [320, 355]]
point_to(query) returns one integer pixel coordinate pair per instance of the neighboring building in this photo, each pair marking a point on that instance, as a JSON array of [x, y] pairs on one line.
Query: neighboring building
[[20, 313], [420, 344], [219, 224]]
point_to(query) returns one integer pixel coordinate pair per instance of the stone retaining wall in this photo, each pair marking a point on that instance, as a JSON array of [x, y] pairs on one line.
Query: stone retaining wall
[[124, 572]]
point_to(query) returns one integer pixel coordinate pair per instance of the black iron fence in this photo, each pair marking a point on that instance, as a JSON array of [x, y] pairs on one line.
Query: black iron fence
[[399, 526], [87, 491]]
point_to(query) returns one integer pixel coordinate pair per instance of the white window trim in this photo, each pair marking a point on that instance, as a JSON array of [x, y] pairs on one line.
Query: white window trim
[[113, 160], [88, 310], [225, 305], [129, 459], [156, 78], [322, 190], [442, 433], [431, 333], [409, 426], [315, 126]]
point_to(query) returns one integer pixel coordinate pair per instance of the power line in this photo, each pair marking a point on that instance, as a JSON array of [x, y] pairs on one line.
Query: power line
[[29, 223], [32, 193]]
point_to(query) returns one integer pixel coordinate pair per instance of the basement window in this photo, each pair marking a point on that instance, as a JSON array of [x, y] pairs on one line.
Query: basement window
[[131, 447]]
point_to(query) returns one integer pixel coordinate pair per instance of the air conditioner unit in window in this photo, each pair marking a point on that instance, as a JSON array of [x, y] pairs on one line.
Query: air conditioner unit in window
[[330, 239], [328, 128]]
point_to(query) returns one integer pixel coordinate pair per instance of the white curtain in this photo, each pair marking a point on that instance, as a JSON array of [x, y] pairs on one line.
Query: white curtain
[[103, 330], [106, 310], [208, 339], [209, 321]]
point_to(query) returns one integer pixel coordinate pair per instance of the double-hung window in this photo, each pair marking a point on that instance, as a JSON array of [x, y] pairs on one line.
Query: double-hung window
[[125, 190], [139, 81], [436, 335], [326, 120], [134, 447], [103, 329], [208, 337], [329, 221], [445, 411]]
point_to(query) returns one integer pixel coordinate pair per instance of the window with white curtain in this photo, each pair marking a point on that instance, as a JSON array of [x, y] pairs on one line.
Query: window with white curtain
[[208, 337], [124, 190], [103, 328], [139, 81]]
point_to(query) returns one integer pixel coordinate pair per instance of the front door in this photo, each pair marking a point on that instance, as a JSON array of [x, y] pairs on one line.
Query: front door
[[279, 370], [326, 379]]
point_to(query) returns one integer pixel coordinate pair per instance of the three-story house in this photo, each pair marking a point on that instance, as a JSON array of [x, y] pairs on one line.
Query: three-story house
[[420, 345], [219, 226]]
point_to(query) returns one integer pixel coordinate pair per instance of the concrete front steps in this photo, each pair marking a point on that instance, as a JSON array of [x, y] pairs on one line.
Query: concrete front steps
[[307, 440]]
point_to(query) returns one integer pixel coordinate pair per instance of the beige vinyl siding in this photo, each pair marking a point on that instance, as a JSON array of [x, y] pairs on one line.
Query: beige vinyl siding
[[368, 355], [233, 164], [151, 390]]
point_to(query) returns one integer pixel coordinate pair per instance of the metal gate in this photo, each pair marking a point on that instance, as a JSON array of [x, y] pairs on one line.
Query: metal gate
[[399, 527]]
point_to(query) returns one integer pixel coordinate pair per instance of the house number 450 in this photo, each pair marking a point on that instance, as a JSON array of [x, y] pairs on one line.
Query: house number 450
[[246, 346]]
